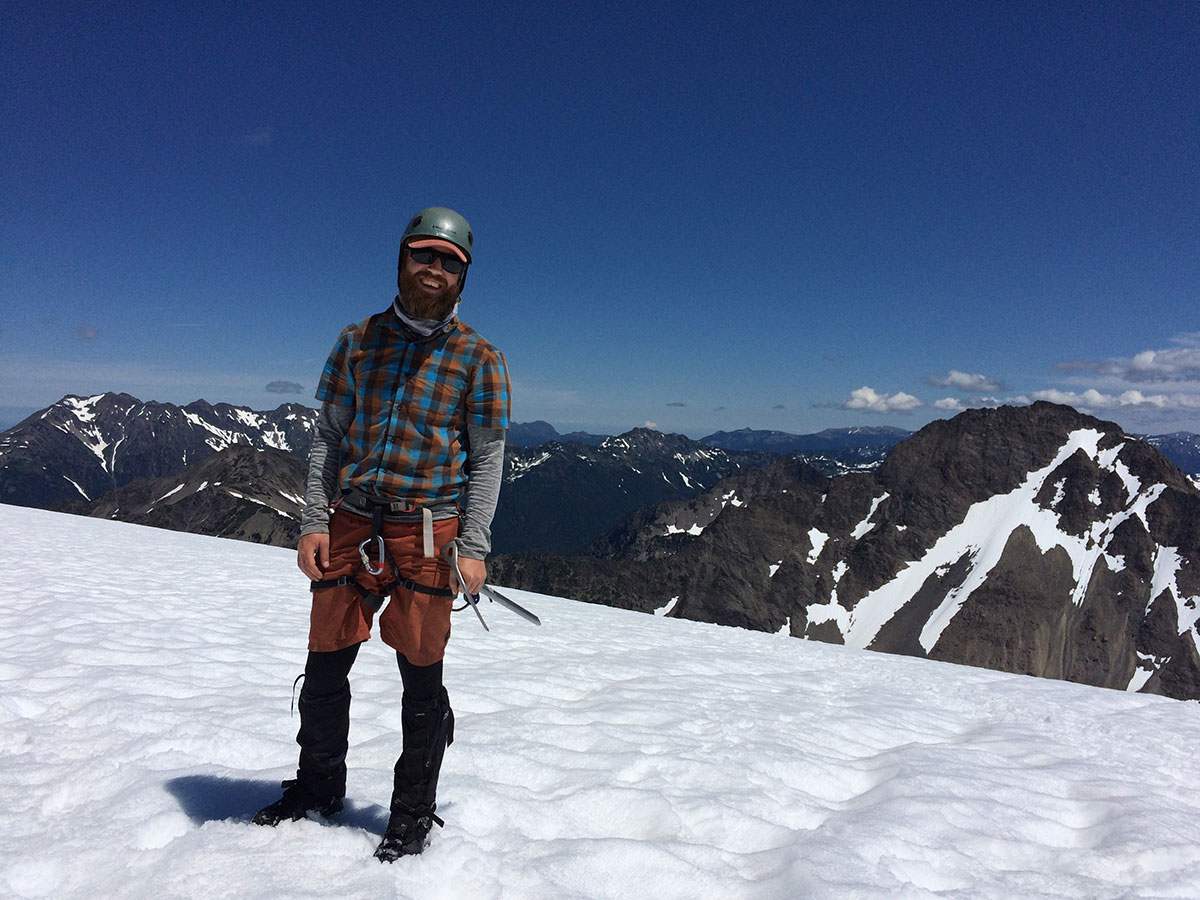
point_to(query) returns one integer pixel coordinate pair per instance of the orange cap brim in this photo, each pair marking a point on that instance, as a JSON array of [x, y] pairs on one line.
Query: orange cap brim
[[438, 244]]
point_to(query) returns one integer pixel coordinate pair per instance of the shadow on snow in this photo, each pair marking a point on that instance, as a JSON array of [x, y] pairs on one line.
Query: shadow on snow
[[211, 798]]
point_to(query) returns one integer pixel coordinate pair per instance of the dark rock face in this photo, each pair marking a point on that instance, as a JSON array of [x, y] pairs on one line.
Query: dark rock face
[[660, 531], [1032, 540], [239, 492]]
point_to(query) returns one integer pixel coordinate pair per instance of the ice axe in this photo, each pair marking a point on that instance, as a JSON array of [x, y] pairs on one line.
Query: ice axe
[[450, 551]]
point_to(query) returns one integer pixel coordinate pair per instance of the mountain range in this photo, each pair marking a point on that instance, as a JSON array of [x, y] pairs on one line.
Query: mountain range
[[190, 468], [1030, 539], [863, 442], [533, 434], [83, 447]]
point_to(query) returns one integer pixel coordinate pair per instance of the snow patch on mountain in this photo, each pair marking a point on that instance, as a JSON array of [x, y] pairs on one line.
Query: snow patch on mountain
[[518, 467], [83, 427], [832, 611], [818, 540], [75, 484], [240, 496], [276, 439], [170, 493], [1187, 608], [667, 608], [864, 527], [84, 408], [220, 439]]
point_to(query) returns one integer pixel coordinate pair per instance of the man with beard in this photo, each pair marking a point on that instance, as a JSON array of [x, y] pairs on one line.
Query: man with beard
[[408, 453]]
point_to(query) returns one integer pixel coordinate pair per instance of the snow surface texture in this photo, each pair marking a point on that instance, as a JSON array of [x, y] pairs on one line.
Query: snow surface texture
[[145, 679]]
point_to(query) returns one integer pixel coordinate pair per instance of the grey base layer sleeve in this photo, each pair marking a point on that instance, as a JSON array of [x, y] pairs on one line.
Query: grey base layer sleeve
[[485, 458]]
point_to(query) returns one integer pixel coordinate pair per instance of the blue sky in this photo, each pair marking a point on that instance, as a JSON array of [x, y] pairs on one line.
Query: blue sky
[[768, 215]]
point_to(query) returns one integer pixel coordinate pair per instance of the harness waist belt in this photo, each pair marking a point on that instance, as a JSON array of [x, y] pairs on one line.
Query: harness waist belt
[[371, 502], [406, 583], [379, 506]]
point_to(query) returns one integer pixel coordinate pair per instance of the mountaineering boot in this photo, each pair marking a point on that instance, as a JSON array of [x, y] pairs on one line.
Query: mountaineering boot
[[428, 730], [320, 782], [407, 834], [296, 803]]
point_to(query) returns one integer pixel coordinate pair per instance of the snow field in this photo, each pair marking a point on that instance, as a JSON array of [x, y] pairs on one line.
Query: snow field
[[145, 680]]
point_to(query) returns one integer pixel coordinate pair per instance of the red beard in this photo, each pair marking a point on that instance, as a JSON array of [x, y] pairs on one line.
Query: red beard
[[422, 302]]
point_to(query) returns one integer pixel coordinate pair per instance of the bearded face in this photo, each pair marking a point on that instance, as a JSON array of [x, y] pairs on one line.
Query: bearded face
[[427, 292]]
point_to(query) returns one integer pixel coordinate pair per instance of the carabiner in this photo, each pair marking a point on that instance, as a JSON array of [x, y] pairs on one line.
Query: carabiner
[[366, 561]]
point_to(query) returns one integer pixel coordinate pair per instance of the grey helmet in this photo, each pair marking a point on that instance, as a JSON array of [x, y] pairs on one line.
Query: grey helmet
[[442, 223]]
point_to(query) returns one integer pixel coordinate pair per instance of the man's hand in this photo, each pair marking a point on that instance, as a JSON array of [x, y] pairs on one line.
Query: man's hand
[[312, 555], [475, 573]]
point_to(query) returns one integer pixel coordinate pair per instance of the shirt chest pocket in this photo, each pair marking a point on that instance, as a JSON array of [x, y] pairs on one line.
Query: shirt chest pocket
[[431, 394]]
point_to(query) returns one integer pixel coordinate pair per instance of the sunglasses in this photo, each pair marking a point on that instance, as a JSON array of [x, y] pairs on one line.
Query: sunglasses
[[451, 264]]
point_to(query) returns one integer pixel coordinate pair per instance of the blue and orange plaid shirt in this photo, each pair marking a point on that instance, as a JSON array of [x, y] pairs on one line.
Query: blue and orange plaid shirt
[[413, 398]]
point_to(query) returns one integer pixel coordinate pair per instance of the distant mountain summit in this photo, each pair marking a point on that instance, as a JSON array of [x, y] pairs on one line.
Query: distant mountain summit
[[1033, 539], [834, 451], [83, 447], [832, 440], [534, 434]]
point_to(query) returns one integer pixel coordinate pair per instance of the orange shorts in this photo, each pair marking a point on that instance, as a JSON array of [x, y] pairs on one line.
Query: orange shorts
[[413, 622]]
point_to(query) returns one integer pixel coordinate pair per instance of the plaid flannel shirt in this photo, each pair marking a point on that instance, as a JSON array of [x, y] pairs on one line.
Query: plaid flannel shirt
[[413, 398]]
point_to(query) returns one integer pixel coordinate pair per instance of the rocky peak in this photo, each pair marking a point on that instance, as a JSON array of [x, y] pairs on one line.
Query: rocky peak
[[1032, 539]]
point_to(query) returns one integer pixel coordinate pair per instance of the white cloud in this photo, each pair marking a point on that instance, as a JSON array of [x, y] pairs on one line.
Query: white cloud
[[1093, 399], [957, 404], [869, 399], [965, 381], [1180, 363], [950, 404]]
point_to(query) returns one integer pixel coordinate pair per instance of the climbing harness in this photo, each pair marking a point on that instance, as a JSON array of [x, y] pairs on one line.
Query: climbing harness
[[379, 508]]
